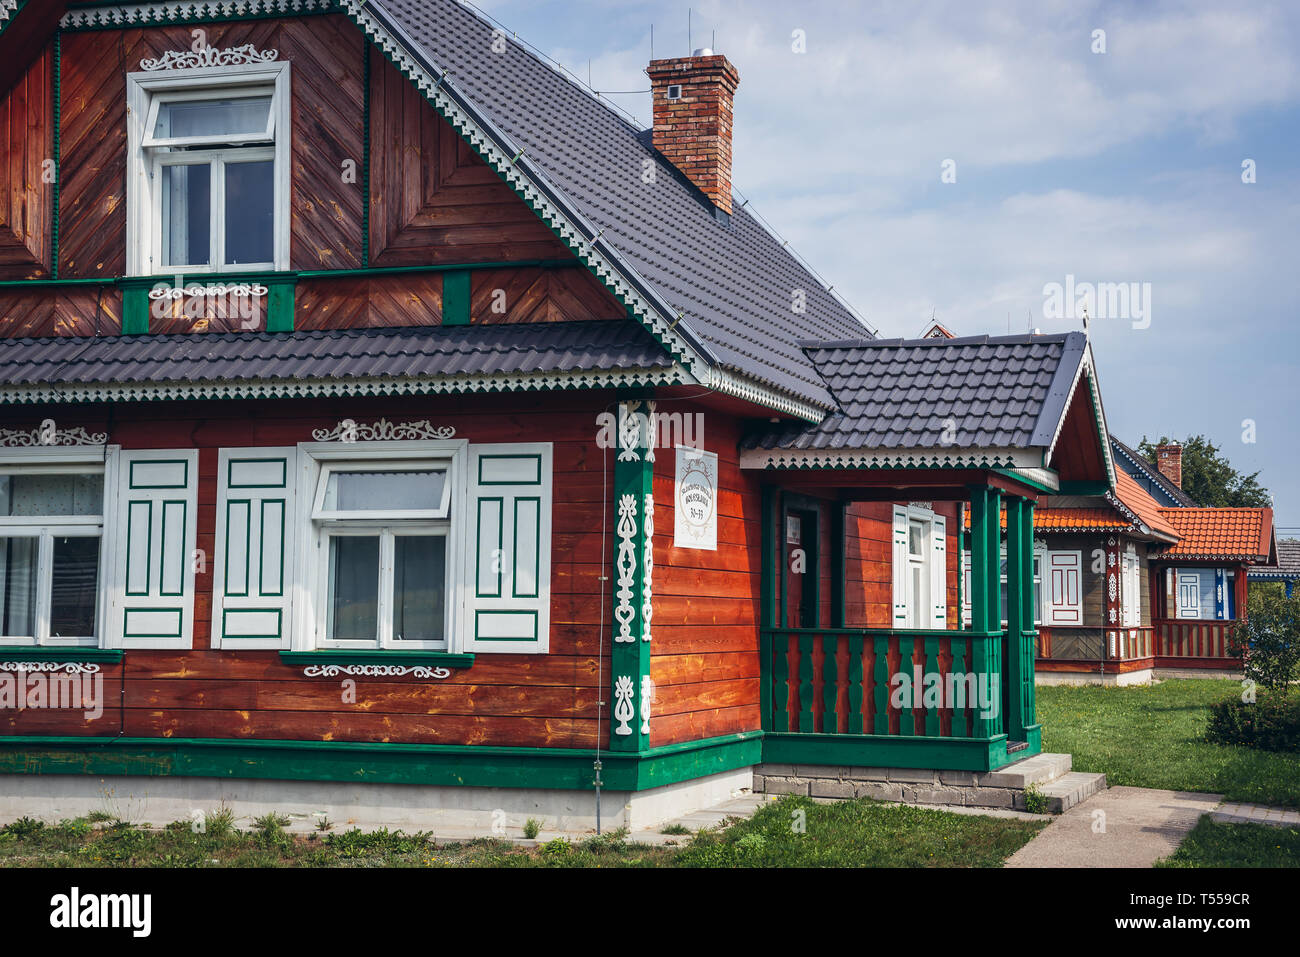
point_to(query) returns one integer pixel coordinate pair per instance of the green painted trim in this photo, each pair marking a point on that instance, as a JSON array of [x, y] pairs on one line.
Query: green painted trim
[[280, 305], [227, 612], [500, 504], [537, 464], [148, 540], [126, 618], [443, 658], [162, 545], [537, 549], [230, 472], [455, 298], [184, 482], [526, 612], [888, 751], [247, 504], [71, 653], [1027, 481], [262, 590], [380, 763], [892, 632], [365, 149], [57, 150], [135, 310]]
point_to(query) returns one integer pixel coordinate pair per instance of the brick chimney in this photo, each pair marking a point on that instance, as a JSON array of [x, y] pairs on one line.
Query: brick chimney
[[692, 119], [1169, 459]]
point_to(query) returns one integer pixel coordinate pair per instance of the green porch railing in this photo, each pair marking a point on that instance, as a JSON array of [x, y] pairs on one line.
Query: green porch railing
[[842, 681]]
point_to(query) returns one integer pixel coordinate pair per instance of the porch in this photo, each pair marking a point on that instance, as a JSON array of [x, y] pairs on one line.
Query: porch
[[839, 686]]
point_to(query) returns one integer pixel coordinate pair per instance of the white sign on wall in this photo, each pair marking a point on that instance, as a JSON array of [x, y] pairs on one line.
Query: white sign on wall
[[695, 498]]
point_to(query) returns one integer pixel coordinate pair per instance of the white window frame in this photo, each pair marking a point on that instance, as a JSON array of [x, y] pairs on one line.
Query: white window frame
[[55, 461], [1076, 607], [1040, 606], [146, 156], [1131, 588], [316, 461]]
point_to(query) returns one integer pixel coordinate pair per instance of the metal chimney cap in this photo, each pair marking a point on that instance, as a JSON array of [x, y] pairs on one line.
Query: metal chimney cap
[[703, 51]]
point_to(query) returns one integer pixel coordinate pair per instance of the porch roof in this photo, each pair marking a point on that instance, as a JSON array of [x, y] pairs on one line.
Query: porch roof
[[978, 401], [336, 361], [1224, 534]]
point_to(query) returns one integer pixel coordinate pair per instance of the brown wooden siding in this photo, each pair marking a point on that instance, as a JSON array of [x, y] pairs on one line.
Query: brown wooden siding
[[66, 311], [704, 652], [532, 294], [704, 663], [26, 134], [432, 199]]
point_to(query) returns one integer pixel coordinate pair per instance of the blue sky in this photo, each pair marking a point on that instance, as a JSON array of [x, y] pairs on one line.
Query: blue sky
[[1122, 166]]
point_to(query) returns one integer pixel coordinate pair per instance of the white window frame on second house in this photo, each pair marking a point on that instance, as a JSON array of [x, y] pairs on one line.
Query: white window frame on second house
[[55, 461], [929, 567], [147, 155], [1040, 561], [1224, 578]]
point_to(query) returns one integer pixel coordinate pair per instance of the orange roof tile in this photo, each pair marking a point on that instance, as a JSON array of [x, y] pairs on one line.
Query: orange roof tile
[[1135, 498], [1243, 533]]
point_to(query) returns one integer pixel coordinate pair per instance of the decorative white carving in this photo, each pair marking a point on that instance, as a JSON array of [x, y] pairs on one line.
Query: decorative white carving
[[71, 667], [1111, 588], [624, 613], [245, 289], [647, 564], [623, 710], [629, 431], [375, 671], [647, 695], [208, 57], [349, 431], [50, 434], [651, 432]]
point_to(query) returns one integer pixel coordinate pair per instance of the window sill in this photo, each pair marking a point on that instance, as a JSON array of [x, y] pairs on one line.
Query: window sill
[[69, 653], [438, 658]]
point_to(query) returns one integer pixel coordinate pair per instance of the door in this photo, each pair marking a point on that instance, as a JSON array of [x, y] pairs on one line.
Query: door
[[1189, 595], [800, 553]]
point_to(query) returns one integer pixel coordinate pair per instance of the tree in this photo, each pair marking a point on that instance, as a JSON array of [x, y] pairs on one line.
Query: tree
[[1269, 640], [1209, 477]]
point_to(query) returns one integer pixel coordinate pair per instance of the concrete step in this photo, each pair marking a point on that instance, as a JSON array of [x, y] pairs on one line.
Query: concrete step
[[1041, 769], [1070, 789]]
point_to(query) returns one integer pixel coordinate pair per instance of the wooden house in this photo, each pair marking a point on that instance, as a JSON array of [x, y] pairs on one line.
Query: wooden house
[[1131, 586], [380, 408]]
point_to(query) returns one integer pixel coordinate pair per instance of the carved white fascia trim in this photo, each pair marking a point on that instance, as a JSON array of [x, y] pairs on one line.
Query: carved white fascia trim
[[208, 57], [144, 14], [624, 710], [382, 431], [902, 459], [47, 434], [219, 290], [375, 671], [329, 388]]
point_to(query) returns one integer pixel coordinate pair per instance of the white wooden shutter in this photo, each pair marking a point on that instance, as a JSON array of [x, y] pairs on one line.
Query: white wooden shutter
[[1189, 594], [900, 567], [1065, 591], [253, 566], [507, 586], [939, 572], [154, 549]]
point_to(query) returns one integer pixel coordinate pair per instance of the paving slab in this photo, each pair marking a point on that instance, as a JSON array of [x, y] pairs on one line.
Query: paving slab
[[1237, 813], [1118, 827]]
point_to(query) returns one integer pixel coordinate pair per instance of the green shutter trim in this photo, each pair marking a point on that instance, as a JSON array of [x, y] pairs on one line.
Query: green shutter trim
[[1013, 667], [455, 298], [630, 654]]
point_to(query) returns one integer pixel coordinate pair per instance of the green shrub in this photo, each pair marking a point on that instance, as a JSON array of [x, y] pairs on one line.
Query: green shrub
[[1269, 724], [1036, 801], [25, 827], [1269, 641], [532, 827]]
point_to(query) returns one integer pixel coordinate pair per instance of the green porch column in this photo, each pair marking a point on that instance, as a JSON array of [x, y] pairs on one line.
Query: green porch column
[[632, 576], [1030, 616], [985, 589], [1020, 583]]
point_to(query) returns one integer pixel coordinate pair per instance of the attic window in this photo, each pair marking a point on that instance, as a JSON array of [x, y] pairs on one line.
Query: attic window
[[208, 188], [675, 91]]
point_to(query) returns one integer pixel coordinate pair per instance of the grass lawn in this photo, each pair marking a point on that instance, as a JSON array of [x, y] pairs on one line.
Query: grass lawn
[[791, 832], [1154, 737], [1236, 845]]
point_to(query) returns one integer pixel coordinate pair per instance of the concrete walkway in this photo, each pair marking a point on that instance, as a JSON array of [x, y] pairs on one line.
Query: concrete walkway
[[1257, 814], [1119, 827]]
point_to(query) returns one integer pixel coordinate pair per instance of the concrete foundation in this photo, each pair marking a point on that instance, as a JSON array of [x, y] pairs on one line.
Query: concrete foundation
[[1004, 788], [157, 801]]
